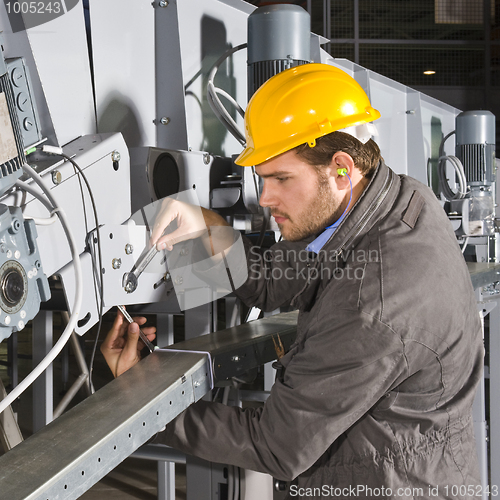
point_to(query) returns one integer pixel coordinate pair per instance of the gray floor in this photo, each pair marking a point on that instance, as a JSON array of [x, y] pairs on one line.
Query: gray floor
[[134, 478]]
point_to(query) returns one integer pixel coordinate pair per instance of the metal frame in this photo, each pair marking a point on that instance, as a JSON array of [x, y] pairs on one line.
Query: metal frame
[[71, 454]]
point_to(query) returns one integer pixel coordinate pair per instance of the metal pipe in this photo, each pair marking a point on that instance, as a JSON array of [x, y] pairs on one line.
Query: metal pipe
[[160, 452]]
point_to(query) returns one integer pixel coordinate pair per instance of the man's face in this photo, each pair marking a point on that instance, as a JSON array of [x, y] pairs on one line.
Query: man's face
[[301, 200]]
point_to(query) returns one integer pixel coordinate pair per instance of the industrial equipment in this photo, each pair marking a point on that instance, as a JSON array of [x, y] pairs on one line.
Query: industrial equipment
[[110, 110]]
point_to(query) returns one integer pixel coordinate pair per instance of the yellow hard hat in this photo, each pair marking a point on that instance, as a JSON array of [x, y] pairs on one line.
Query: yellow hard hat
[[299, 105]]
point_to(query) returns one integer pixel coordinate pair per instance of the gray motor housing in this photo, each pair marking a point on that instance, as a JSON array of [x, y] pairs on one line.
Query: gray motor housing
[[475, 146], [279, 37]]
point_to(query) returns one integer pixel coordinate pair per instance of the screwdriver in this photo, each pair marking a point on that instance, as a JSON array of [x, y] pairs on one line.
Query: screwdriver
[[127, 316]]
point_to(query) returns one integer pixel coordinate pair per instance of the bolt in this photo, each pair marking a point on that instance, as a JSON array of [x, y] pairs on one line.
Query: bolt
[[410, 112], [22, 314], [20, 325], [30, 274], [17, 254], [178, 280], [116, 263], [129, 248], [206, 158], [196, 384], [167, 277], [235, 359], [163, 3], [56, 177], [165, 120], [9, 254], [116, 156], [7, 320]]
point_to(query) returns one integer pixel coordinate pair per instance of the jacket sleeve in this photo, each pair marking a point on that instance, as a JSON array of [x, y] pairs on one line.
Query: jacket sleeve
[[344, 367]]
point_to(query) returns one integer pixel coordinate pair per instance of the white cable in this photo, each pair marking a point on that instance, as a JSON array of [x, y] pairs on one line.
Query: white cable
[[466, 242], [65, 336], [53, 150], [462, 181], [231, 99], [39, 196], [459, 169], [38, 221], [42, 222], [216, 104]]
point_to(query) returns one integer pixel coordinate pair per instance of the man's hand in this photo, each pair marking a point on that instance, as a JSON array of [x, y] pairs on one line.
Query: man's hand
[[192, 222], [122, 347]]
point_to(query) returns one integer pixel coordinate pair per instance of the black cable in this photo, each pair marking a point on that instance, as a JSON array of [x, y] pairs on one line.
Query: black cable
[[100, 285]]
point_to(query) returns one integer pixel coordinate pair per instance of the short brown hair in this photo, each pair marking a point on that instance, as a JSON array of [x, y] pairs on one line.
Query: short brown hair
[[366, 156]]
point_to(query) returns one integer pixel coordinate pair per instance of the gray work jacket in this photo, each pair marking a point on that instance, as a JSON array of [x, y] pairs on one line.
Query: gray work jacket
[[376, 392]]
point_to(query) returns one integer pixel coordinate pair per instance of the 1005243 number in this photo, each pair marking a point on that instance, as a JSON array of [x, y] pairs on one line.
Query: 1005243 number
[[19, 7], [471, 491]]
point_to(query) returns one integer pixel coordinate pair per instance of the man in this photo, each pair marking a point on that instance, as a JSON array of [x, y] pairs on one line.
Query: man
[[374, 398]]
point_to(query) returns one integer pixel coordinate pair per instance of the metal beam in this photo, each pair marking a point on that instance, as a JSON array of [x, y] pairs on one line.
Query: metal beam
[[236, 350], [71, 454], [68, 456]]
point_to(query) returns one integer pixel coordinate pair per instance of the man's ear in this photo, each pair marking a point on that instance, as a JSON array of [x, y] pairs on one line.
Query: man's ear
[[342, 166]]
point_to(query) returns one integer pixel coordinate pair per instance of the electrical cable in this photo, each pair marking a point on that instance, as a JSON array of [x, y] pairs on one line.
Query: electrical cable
[[97, 276], [43, 222], [466, 242], [215, 103], [448, 193], [65, 336], [38, 220]]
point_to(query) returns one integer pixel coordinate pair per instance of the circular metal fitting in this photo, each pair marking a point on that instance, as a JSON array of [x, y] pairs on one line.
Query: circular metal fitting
[[129, 248], [116, 156], [56, 177], [116, 263], [163, 3], [165, 120], [15, 226], [206, 158], [13, 286]]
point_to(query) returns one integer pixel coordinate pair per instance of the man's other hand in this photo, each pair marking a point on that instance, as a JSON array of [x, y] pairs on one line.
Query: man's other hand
[[122, 347]]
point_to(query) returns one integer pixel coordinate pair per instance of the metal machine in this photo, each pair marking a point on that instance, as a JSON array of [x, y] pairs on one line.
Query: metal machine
[[123, 103]]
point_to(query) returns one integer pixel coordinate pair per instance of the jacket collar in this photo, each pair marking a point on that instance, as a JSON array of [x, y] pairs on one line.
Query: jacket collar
[[372, 206]]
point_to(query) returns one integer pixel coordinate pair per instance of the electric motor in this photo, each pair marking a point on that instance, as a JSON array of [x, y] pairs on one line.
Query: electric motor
[[475, 146], [279, 37]]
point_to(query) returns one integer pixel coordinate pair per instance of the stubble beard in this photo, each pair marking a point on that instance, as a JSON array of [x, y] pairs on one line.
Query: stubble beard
[[322, 211]]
